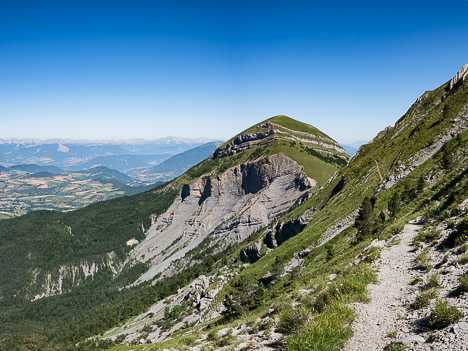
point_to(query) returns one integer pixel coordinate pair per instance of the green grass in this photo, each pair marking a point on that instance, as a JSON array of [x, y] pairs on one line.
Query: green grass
[[443, 315], [293, 319], [424, 299], [463, 283], [371, 255], [422, 262], [432, 282], [463, 259], [296, 125], [328, 331], [396, 347], [427, 236]]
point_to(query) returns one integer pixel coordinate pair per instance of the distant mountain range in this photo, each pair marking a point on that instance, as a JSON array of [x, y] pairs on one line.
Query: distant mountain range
[[124, 155], [178, 164], [352, 148]]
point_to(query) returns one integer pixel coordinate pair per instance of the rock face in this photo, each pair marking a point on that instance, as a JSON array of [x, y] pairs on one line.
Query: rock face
[[459, 77], [284, 231], [251, 254], [67, 276], [229, 207]]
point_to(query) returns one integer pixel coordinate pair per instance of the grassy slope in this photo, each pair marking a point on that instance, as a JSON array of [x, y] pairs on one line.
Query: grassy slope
[[361, 176], [417, 129]]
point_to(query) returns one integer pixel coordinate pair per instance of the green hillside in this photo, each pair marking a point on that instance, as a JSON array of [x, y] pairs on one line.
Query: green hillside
[[418, 168]]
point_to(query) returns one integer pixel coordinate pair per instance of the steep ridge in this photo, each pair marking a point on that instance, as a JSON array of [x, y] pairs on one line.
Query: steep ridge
[[297, 295]]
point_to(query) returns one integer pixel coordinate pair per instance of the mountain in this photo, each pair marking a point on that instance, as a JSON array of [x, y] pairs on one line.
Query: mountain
[[351, 151], [179, 163], [270, 242], [396, 215], [107, 174], [131, 164], [36, 168], [74, 256], [124, 155]]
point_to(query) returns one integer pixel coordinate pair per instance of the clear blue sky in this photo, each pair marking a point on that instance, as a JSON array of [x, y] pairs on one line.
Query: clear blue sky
[[125, 69]]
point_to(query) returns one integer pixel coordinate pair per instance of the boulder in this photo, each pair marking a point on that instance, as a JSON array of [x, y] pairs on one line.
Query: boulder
[[460, 328]]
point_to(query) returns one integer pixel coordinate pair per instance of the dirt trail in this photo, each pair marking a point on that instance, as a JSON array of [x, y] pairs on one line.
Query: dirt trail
[[378, 318]]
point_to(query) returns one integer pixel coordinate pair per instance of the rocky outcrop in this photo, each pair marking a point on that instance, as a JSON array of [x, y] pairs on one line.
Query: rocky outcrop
[[154, 325], [229, 207], [459, 77], [198, 294], [66, 277], [251, 254], [284, 231], [269, 132]]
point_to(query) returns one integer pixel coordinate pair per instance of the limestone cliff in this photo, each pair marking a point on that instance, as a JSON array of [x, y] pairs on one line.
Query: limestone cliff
[[229, 207]]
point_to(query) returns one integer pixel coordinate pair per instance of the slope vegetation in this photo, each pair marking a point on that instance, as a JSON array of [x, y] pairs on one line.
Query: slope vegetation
[[292, 284]]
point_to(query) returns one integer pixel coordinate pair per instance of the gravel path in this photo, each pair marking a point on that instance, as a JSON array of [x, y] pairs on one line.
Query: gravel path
[[378, 318]]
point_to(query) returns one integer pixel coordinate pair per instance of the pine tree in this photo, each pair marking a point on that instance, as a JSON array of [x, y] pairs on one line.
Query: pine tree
[[364, 219], [394, 204], [421, 184], [447, 158], [260, 295]]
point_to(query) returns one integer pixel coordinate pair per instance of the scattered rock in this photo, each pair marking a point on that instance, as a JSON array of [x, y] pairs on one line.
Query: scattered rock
[[460, 328], [410, 339]]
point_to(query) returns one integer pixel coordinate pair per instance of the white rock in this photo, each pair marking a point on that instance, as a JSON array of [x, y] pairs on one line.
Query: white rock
[[411, 339]]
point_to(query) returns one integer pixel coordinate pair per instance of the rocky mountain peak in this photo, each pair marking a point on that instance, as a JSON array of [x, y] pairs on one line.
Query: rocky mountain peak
[[279, 128], [459, 77]]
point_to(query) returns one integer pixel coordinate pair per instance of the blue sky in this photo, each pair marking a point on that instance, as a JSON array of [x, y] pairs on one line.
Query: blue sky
[[148, 69]]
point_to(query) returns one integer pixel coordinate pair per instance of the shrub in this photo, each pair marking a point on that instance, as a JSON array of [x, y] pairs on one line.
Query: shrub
[[432, 282], [443, 315], [394, 204], [463, 259], [426, 236], [462, 231], [396, 347]]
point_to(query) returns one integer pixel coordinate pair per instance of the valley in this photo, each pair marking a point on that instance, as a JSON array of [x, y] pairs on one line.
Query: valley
[[31, 187], [22, 191]]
